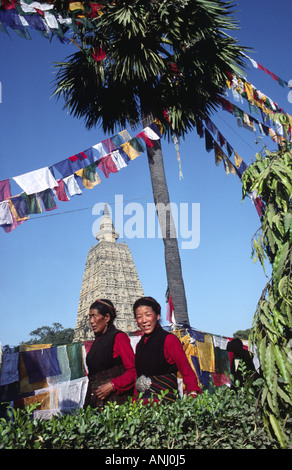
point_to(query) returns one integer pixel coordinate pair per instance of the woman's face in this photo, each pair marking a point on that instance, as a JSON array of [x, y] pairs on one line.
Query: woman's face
[[146, 318], [98, 322]]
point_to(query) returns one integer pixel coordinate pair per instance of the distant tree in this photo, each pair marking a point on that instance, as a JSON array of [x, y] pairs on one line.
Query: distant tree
[[55, 334], [242, 334]]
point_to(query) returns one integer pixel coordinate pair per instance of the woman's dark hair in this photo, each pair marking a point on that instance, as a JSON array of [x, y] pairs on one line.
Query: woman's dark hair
[[105, 306], [150, 302]]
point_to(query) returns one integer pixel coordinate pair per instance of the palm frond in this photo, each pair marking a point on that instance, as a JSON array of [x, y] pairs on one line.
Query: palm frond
[[179, 52]]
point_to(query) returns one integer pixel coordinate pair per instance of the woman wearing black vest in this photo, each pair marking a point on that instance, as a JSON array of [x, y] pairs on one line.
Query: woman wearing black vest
[[159, 356], [110, 360]]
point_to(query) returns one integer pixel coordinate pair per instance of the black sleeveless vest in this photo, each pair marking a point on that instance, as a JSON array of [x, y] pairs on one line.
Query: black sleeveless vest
[[100, 355], [102, 367], [150, 359]]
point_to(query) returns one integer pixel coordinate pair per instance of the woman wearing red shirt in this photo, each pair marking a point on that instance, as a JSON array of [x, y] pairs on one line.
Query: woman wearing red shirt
[[110, 360], [159, 356]]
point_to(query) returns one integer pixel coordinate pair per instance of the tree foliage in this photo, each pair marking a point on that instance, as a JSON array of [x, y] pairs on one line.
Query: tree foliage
[[242, 334], [55, 334], [167, 56], [270, 175]]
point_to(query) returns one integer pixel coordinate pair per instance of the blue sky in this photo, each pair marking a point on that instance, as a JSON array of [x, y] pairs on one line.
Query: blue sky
[[43, 260]]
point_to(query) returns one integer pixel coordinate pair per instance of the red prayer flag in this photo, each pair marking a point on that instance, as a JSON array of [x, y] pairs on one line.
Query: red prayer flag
[[146, 139], [8, 4], [98, 54], [95, 7], [170, 309]]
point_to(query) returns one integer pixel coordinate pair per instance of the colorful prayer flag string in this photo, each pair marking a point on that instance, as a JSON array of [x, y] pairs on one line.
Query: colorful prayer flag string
[[209, 130], [78, 171], [261, 103], [268, 72], [247, 121], [44, 18]]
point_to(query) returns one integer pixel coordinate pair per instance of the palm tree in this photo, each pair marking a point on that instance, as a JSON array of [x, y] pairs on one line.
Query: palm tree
[[146, 60]]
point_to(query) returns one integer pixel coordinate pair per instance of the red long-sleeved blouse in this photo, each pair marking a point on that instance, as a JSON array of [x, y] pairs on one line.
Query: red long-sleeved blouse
[[123, 348], [174, 353]]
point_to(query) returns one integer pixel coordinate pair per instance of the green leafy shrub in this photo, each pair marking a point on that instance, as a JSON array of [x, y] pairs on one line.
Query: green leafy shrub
[[217, 419]]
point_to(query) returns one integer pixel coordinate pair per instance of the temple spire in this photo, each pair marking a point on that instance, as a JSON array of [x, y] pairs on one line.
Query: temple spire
[[107, 230], [110, 273]]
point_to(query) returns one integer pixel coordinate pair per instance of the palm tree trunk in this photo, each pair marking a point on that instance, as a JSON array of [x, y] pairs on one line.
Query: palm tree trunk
[[161, 200], [171, 251]]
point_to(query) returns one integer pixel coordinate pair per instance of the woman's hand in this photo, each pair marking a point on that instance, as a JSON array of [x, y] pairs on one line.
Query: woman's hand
[[104, 390]]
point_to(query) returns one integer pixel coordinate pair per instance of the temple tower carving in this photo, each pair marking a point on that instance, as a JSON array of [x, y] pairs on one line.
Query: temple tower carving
[[109, 273]]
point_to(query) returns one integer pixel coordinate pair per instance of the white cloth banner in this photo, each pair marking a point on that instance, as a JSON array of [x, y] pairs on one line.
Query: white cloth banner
[[101, 150], [151, 134], [118, 159], [36, 181], [33, 6], [72, 185], [220, 342]]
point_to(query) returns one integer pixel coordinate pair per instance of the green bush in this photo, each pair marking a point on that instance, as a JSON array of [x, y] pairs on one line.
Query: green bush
[[217, 419]]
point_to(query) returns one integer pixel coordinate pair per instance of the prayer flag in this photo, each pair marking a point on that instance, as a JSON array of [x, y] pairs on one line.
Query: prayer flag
[[72, 185], [36, 181], [130, 150], [61, 191], [107, 166], [228, 165], [218, 154], [19, 208], [145, 137], [5, 192]]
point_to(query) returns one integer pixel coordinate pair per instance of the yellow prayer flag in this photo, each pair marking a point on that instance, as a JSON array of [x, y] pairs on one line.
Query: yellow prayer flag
[[206, 354], [76, 6], [229, 167], [159, 125], [130, 151], [238, 159], [189, 348], [33, 347], [218, 154], [249, 92], [86, 182], [43, 400]]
